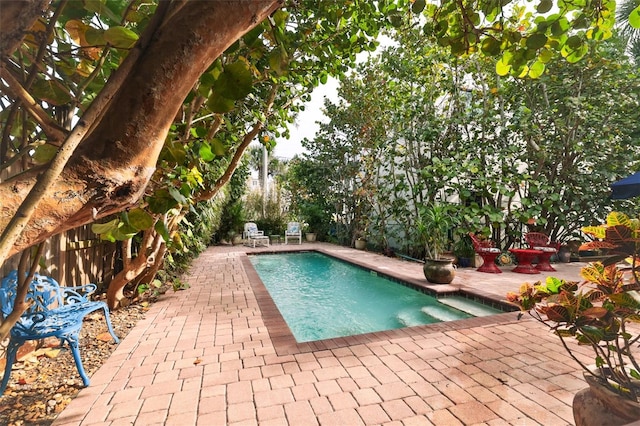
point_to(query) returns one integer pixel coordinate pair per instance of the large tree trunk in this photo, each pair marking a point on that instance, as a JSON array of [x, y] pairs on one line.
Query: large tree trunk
[[113, 164], [16, 18]]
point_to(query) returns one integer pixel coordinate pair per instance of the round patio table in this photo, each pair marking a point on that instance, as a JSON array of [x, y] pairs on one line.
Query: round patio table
[[524, 257]]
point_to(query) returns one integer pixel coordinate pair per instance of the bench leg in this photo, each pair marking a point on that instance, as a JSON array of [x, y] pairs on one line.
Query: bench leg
[[108, 320], [12, 350], [72, 338]]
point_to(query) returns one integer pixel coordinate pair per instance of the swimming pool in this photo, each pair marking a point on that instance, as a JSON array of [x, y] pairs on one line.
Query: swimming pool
[[321, 297]]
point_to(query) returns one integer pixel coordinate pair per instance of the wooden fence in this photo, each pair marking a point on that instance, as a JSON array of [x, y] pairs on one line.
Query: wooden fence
[[75, 257]]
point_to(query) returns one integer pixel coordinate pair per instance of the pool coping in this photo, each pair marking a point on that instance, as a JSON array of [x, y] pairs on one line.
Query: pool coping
[[285, 343]]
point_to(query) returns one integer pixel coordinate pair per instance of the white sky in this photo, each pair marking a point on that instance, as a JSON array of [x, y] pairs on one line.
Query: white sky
[[306, 126]]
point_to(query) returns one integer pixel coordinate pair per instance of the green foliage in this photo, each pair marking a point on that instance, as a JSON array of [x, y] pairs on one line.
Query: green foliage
[[523, 40], [125, 226], [597, 311], [310, 203], [196, 232], [152, 288], [232, 216], [508, 150], [435, 221], [272, 225], [463, 247]]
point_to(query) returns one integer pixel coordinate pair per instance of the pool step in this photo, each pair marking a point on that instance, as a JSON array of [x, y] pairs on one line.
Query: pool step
[[444, 313], [476, 309], [412, 317]]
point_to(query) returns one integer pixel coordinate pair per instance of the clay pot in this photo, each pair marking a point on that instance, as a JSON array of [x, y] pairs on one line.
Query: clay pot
[[439, 271], [598, 405]]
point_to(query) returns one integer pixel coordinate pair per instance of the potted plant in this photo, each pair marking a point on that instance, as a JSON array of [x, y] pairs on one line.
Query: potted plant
[[361, 242], [433, 229], [464, 252], [314, 219], [597, 313]]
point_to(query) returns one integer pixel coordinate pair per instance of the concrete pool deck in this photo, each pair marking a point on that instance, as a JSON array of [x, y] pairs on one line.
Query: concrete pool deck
[[219, 353]]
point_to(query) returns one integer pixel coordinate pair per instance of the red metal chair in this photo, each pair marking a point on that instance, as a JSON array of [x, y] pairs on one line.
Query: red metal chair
[[540, 241], [488, 251]]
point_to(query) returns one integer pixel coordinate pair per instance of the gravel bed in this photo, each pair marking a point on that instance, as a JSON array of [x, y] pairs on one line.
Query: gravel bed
[[41, 387]]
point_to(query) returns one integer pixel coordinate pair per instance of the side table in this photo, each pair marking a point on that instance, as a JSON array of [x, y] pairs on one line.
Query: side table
[[275, 239], [544, 263], [488, 255]]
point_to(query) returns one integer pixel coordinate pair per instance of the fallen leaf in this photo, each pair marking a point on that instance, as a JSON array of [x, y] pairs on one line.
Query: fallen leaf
[[197, 361], [32, 359], [26, 380], [104, 337], [52, 353]]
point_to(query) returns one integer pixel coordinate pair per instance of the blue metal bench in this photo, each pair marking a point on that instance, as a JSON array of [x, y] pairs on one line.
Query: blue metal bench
[[54, 311]]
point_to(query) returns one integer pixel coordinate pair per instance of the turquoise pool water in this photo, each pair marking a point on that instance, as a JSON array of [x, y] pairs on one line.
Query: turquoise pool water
[[322, 298]]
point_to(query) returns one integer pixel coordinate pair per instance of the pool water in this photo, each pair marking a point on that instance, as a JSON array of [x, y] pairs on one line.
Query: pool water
[[322, 298]]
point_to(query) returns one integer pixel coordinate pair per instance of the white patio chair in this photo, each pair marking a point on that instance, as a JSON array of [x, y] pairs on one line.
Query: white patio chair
[[253, 236], [293, 232]]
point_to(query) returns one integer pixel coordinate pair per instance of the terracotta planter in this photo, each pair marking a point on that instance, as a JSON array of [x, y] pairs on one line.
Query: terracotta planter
[[439, 271], [310, 236], [600, 406]]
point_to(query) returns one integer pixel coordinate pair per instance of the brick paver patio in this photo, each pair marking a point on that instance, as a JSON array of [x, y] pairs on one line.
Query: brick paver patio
[[219, 353]]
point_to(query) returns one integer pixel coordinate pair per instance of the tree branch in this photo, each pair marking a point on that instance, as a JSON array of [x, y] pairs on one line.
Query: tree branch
[[54, 132]]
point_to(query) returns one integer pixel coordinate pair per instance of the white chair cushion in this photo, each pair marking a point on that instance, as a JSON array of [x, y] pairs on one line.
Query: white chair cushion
[[548, 249], [490, 250]]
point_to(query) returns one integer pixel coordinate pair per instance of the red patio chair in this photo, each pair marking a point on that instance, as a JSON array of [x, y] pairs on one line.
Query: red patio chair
[[488, 251]]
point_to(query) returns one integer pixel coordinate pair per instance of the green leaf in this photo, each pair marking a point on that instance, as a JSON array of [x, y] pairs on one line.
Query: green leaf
[[120, 37], [124, 232], [544, 6], [44, 153], [574, 55], [553, 284], [205, 153], [502, 68], [218, 147], [161, 202], [634, 17], [490, 46], [177, 196], [104, 228], [418, 6], [219, 104], [536, 41], [161, 228], [95, 37], [140, 219], [574, 42], [279, 61], [174, 151], [50, 92], [100, 7], [536, 70], [235, 82], [395, 19]]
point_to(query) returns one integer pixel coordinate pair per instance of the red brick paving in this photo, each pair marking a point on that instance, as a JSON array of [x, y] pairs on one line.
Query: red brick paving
[[219, 353]]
